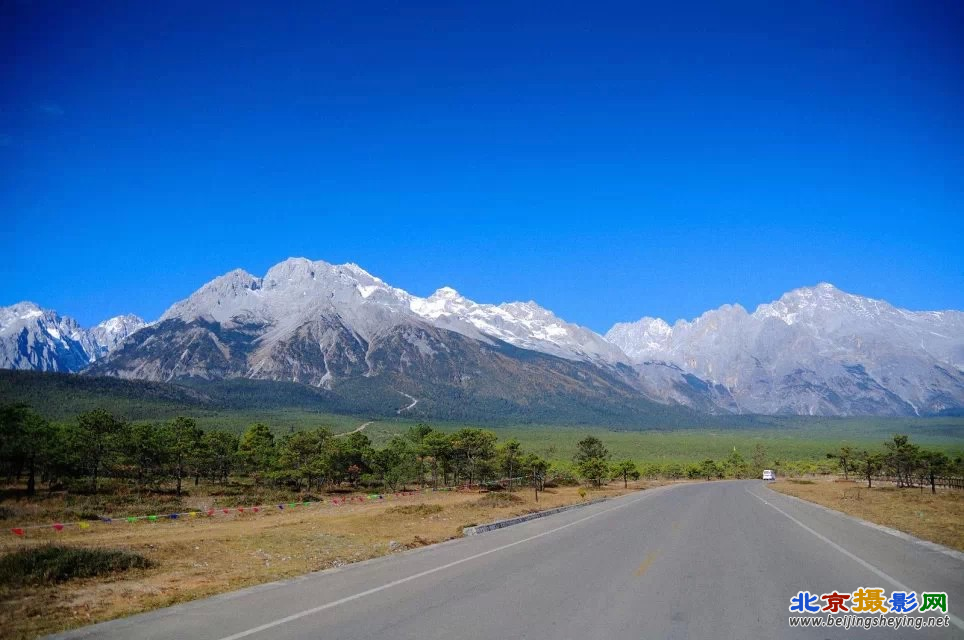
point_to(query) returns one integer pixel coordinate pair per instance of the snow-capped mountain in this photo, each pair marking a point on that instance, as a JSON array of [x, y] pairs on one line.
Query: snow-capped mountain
[[817, 351], [296, 290], [328, 325], [42, 340], [337, 327]]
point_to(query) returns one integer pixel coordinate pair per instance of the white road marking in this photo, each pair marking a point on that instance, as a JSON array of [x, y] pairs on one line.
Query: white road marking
[[957, 621], [416, 576]]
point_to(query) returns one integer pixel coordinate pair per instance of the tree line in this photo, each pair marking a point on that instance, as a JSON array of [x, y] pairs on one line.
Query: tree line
[[79, 454], [98, 444], [899, 459]]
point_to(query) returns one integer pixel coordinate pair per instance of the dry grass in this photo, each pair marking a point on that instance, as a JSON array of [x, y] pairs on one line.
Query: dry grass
[[936, 517], [499, 500], [204, 556]]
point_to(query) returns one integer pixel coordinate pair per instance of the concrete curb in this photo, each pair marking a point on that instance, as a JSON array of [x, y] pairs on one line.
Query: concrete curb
[[508, 522], [927, 544]]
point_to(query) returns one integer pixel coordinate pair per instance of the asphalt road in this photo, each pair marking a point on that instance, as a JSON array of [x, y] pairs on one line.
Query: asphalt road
[[710, 560]]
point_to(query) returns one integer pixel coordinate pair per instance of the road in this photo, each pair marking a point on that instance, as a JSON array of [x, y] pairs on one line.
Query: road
[[706, 560], [410, 406]]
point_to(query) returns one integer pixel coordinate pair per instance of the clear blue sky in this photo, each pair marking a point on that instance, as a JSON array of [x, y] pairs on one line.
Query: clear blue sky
[[607, 160]]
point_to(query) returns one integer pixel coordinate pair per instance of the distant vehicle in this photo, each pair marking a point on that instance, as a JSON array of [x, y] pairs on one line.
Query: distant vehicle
[[769, 475]]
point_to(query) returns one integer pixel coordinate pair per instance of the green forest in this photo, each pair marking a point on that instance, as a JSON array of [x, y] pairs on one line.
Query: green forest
[[98, 448]]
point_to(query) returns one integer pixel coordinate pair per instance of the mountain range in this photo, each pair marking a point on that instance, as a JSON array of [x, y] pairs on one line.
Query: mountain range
[[348, 334]]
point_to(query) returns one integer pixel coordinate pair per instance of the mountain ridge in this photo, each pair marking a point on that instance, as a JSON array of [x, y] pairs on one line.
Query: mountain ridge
[[814, 351], [35, 338]]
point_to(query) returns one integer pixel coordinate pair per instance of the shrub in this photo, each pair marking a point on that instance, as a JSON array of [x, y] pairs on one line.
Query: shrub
[[52, 563], [416, 509], [673, 471], [498, 500]]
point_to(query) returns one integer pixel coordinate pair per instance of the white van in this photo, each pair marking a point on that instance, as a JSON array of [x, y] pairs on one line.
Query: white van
[[769, 475]]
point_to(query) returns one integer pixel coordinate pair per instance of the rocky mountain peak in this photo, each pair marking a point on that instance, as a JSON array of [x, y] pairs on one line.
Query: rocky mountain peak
[[446, 293]]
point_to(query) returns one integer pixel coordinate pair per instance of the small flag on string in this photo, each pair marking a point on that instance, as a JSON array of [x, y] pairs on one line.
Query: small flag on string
[[106, 520], [293, 505], [193, 514], [226, 510], [306, 503], [281, 506], [255, 509], [240, 509], [210, 512], [131, 519], [83, 525], [152, 518], [58, 527], [17, 531], [173, 516]]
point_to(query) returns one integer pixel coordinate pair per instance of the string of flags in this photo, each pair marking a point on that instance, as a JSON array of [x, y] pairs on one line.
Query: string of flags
[[213, 511]]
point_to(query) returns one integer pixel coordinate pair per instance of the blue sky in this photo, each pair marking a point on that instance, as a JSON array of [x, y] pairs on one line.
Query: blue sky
[[609, 160]]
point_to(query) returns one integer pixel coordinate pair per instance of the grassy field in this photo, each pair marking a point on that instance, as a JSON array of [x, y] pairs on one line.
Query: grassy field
[[937, 517], [792, 441], [280, 421], [785, 439], [196, 557]]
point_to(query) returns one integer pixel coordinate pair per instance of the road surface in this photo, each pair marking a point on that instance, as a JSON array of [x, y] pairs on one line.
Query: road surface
[[707, 560]]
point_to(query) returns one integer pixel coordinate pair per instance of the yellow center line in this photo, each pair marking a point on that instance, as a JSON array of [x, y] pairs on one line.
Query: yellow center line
[[646, 562]]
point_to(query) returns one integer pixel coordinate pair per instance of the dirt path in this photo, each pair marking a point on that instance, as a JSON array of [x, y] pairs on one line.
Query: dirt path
[[360, 428]]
